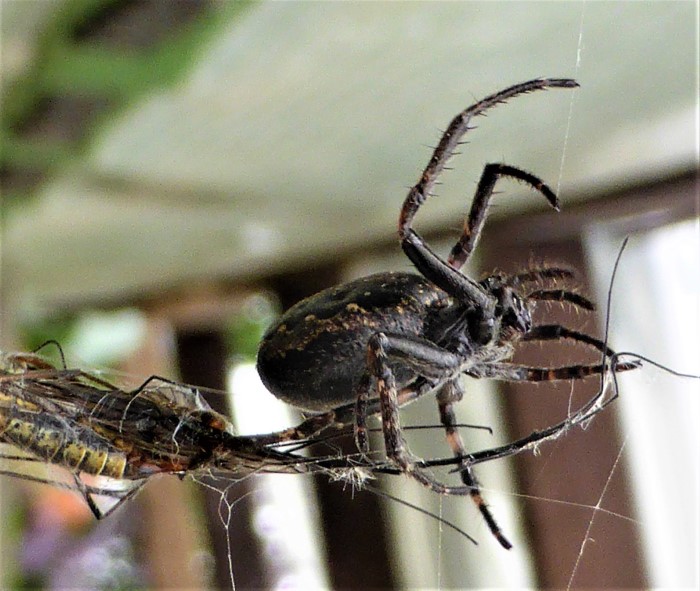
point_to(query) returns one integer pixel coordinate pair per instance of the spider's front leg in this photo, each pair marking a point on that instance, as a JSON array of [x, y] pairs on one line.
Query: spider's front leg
[[477, 214], [444, 274]]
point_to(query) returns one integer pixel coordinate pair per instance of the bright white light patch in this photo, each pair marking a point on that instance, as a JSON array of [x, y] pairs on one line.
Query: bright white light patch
[[656, 312], [285, 519]]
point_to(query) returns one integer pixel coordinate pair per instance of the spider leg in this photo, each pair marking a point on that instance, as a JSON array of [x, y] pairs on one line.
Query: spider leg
[[345, 414], [554, 332], [552, 295], [342, 416], [432, 362], [422, 357], [361, 405], [561, 295], [477, 215], [449, 393], [307, 429], [452, 136], [522, 373], [425, 358], [429, 264], [541, 274]]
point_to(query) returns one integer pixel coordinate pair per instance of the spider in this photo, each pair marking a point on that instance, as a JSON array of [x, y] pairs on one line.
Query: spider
[[363, 348], [374, 344]]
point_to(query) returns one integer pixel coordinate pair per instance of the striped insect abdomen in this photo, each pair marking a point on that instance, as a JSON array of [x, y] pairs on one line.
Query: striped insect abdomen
[[60, 441]]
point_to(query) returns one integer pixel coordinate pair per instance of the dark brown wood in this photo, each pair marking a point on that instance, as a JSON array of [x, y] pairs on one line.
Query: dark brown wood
[[202, 358], [575, 468]]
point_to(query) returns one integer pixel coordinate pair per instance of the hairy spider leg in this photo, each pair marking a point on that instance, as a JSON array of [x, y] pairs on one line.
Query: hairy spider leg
[[437, 365], [341, 417], [424, 357], [452, 136], [555, 332], [537, 274], [431, 359], [474, 222], [513, 372], [550, 294], [449, 393], [561, 295], [446, 275], [308, 428], [362, 402], [445, 149]]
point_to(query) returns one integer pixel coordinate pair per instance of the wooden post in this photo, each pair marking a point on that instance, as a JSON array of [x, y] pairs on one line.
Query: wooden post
[[169, 528], [574, 469]]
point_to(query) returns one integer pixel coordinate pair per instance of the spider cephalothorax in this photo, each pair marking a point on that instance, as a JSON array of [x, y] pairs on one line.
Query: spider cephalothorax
[[381, 341], [511, 313]]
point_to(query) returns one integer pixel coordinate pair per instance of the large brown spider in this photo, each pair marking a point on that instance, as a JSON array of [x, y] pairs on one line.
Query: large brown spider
[[383, 340], [362, 348]]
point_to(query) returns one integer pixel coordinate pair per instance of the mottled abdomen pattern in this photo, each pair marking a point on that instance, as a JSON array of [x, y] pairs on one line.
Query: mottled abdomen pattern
[[314, 357]]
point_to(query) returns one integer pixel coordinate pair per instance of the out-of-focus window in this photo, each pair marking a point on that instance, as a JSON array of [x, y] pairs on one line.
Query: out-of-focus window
[[656, 312]]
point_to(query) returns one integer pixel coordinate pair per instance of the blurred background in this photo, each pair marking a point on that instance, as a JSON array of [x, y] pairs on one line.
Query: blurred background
[[176, 173]]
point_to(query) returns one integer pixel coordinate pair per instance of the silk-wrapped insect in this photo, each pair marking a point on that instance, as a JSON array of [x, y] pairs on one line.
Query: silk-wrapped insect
[[89, 426]]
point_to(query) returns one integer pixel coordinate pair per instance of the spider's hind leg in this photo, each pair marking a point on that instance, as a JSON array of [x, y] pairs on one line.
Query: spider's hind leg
[[421, 356], [448, 394], [441, 366]]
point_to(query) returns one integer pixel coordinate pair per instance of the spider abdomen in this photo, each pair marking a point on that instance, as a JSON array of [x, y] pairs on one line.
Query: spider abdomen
[[314, 356]]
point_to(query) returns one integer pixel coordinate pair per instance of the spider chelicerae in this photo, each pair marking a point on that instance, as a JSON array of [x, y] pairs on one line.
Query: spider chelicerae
[[374, 344]]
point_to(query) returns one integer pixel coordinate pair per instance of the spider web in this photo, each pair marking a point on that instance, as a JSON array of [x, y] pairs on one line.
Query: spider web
[[600, 516], [659, 411]]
